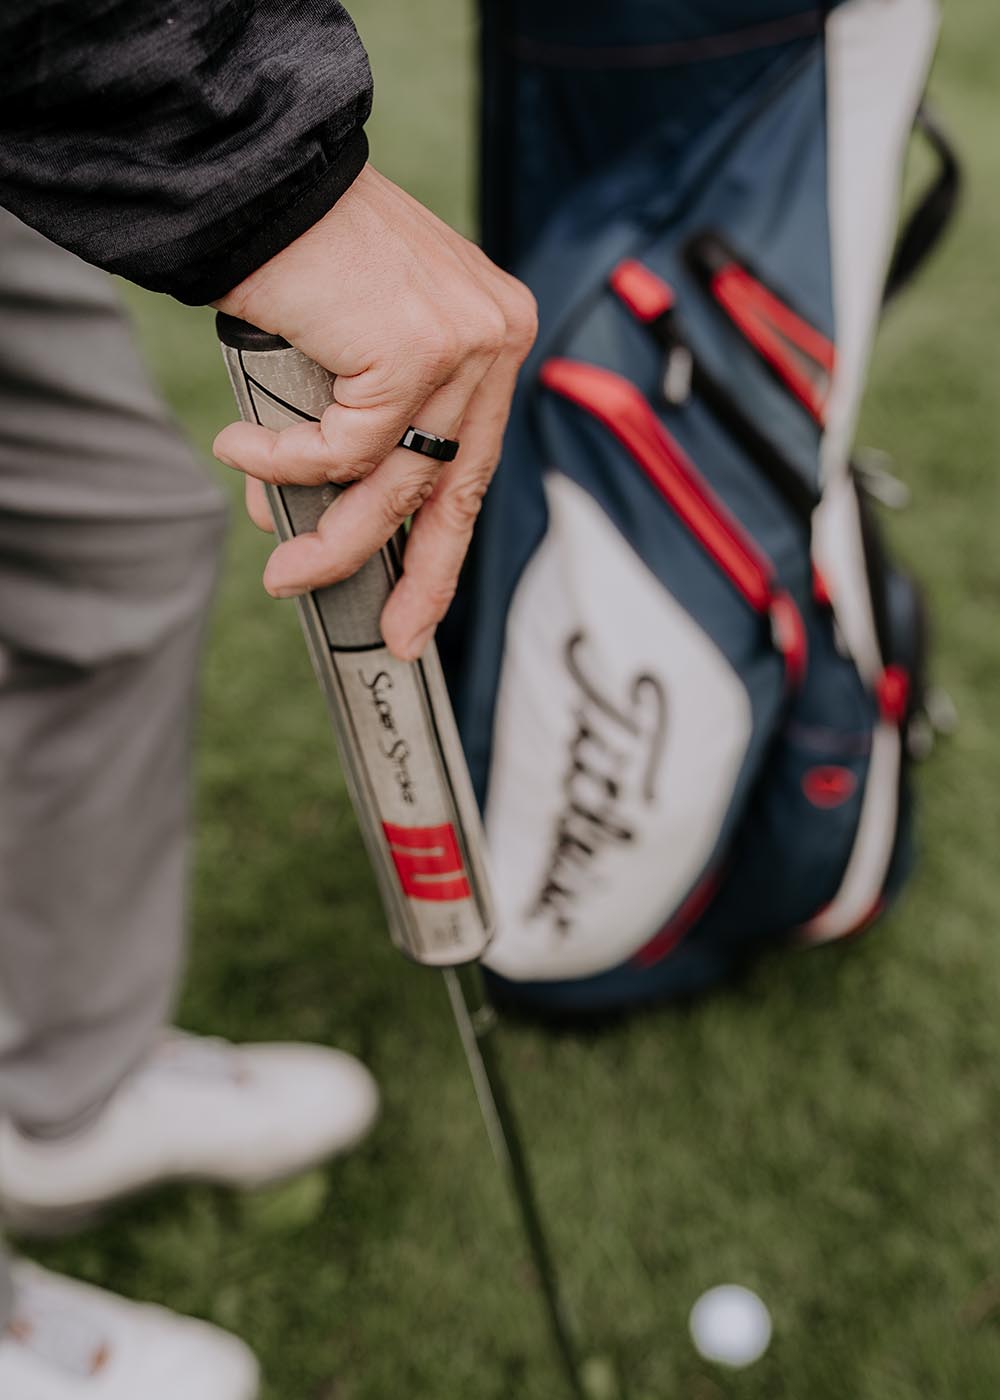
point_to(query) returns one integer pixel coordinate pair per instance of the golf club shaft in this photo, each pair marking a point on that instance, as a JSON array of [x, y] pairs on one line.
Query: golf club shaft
[[476, 1019], [434, 883]]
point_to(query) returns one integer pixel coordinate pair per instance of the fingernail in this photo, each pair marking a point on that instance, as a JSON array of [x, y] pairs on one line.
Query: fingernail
[[226, 461], [282, 590], [414, 648]]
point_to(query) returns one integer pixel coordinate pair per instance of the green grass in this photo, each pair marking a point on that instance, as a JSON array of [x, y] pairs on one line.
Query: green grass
[[827, 1135]]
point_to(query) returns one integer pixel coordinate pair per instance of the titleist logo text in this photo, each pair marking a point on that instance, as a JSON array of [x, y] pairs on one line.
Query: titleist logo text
[[613, 757]]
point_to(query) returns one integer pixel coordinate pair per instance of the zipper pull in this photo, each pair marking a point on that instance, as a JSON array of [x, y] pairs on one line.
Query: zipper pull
[[677, 374], [651, 301]]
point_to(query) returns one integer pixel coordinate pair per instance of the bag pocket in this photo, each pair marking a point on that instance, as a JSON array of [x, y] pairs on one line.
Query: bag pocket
[[801, 357], [653, 302], [650, 648]]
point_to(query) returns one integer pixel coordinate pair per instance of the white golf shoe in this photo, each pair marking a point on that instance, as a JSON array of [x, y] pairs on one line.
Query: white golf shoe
[[195, 1109], [68, 1341]]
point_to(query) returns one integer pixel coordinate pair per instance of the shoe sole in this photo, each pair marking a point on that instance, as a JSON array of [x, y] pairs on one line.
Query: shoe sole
[[54, 1222]]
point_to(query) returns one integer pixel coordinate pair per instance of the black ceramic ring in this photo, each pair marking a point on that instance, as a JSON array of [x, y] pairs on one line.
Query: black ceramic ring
[[430, 445]]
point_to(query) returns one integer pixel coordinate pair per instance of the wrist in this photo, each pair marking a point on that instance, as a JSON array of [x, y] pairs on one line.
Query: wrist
[[253, 298]]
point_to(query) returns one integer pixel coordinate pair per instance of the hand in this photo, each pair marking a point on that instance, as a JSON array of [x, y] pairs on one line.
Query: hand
[[419, 328]]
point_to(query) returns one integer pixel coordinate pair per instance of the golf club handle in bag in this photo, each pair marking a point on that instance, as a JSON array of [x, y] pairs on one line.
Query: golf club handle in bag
[[393, 720]]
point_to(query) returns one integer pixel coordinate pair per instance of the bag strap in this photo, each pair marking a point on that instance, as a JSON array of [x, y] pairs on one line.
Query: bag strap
[[929, 220]]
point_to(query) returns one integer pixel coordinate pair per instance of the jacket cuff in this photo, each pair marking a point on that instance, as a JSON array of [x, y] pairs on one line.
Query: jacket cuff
[[253, 234]]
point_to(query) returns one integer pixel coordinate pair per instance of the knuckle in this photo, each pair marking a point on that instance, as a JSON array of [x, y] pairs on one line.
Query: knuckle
[[423, 350], [284, 473], [522, 320], [483, 333], [329, 425], [346, 473], [491, 330], [404, 498], [438, 347], [277, 473], [350, 450], [462, 506], [275, 464]]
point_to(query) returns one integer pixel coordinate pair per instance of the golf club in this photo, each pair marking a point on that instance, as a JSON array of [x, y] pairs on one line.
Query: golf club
[[405, 771]]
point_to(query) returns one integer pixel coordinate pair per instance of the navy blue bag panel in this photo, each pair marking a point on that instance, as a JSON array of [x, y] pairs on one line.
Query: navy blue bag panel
[[570, 86]]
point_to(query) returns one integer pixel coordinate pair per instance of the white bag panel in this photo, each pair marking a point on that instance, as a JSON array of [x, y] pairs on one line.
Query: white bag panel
[[619, 734], [878, 56]]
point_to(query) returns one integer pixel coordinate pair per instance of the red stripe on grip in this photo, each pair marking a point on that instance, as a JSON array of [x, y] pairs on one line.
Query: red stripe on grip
[[428, 861]]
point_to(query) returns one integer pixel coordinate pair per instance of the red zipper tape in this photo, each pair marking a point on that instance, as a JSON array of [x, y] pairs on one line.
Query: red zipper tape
[[798, 353], [619, 405], [622, 409]]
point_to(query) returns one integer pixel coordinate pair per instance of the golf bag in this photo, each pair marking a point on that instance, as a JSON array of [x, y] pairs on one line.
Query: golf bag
[[683, 665]]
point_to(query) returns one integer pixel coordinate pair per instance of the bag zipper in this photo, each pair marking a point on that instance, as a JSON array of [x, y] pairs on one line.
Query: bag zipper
[[621, 408], [802, 357], [652, 301]]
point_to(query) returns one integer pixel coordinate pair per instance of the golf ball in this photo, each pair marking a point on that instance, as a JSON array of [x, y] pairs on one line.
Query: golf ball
[[730, 1325]]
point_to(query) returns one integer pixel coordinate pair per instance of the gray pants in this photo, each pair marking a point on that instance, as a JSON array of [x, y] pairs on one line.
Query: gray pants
[[109, 540]]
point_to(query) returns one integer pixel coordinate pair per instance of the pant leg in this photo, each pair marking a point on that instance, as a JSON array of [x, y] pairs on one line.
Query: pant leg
[[109, 538], [6, 1290]]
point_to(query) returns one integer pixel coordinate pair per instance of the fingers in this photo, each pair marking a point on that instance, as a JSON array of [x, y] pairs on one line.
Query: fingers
[[257, 506], [354, 527], [379, 501], [441, 532], [444, 502], [295, 455], [361, 520], [436, 546], [360, 439], [426, 383], [372, 409]]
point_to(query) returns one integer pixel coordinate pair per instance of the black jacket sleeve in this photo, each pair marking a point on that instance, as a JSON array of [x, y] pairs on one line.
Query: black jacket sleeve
[[180, 143]]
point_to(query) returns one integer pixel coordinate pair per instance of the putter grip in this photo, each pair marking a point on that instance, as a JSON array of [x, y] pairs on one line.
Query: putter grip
[[395, 729]]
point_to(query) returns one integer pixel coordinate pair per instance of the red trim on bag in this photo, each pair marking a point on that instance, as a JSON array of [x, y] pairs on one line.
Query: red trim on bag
[[866, 920], [428, 861], [860, 926], [641, 290], [664, 942], [892, 691], [801, 355], [622, 409], [829, 786], [790, 637], [822, 596]]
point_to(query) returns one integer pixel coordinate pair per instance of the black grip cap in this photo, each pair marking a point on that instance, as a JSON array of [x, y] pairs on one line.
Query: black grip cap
[[240, 335]]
